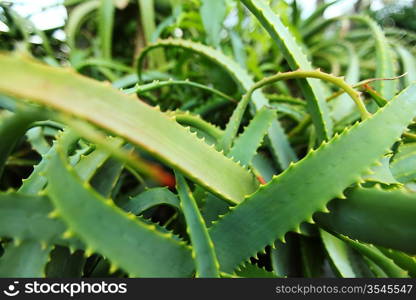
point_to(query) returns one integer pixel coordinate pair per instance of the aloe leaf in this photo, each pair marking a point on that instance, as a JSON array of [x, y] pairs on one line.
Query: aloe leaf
[[235, 120], [131, 159], [403, 165], [246, 144], [12, 129], [106, 177], [141, 89], [404, 261], [343, 105], [382, 173], [187, 119], [377, 216], [281, 206], [105, 26], [64, 264], [213, 13], [129, 243], [25, 217], [341, 255], [282, 98], [408, 63], [296, 113], [238, 48], [385, 263], [37, 140], [384, 59], [149, 198], [76, 18], [85, 98], [37, 180], [27, 259], [375, 269], [148, 23], [147, 15], [203, 251], [88, 165], [213, 208], [253, 271], [312, 257], [279, 142], [297, 60], [284, 257]]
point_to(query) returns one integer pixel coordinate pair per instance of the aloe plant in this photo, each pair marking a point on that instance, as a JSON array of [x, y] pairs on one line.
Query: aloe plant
[[204, 149]]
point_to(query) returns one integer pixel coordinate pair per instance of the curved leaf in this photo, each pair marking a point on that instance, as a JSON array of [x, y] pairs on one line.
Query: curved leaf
[[246, 144], [129, 243], [293, 196], [297, 60], [373, 215], [202, 247], [25, 217], [384, 59], [279, 142], [139, 123], [27, 259], [149, 198]]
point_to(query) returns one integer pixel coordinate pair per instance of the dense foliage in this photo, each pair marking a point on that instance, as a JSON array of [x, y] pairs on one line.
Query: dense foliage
[[211, 138]]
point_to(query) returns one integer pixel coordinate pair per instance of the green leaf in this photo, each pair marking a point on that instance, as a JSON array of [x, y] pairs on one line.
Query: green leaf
[[312, 257], [203, 251], [404, 261], [64, 264], [105, 27], [149, 198], [377, 216], [76, 18], [106, 177], [12, 129], [293, 196], [139, 123], [403, 165], [25, 217], [341, 255], [141, 89], [27, 259], [385, 263], [246, 144], [384, 59], [37, 140], [131, 244], [253, 271], [279, 141], [213, 14], [382, 173], [297, 60], [148, 23], [235, 120], [285, 257], [343, 105], [213, 208], [37, 180], [408, 64]]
